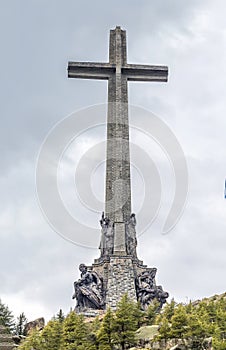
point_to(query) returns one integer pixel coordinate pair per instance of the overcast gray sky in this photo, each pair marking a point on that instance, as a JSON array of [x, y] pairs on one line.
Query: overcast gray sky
[[38, 38]]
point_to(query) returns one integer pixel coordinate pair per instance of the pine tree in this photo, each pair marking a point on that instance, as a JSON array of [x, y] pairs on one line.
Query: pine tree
[[60, 316], [125, 323], [152, 312], [51, 335], [164, 329], [169, 309], [189, 308], [179, 321], [138, 314], [219, 340], [219, 344], [32, 342], [6, 317], [20, 325], [75, 333], [93, 329], [210, 307], [106, 333], [221, 321], [196, 328]]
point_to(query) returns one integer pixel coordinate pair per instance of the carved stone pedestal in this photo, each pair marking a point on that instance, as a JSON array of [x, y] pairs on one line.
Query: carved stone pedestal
[[121, 280], [119, 275]]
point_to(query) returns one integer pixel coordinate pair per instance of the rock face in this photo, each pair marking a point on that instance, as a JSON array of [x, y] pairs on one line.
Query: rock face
[[181, 344], [6, 341], [145, 336], [37, 324]]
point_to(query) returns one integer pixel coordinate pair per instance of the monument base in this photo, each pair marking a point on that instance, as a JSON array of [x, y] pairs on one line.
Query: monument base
[[108, 279], [119, 275]]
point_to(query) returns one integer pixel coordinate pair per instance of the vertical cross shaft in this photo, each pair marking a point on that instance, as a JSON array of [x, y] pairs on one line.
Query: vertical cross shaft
[[118, 187]]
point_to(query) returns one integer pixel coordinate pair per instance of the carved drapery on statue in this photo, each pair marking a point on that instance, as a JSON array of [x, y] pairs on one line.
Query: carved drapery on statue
[[88, 290], [147, 291], [131, 239], [107, 237]]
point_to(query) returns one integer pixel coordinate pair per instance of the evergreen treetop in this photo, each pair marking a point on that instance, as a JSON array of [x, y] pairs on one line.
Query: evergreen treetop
[[6, 317]]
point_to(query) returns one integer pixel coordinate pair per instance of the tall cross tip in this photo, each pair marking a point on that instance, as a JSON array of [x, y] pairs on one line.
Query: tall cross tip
[[117, 29], [117, 58]]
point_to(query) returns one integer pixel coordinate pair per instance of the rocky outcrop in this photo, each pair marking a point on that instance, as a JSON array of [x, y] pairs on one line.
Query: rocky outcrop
[[37, 324], [146, 336], [182, 344]]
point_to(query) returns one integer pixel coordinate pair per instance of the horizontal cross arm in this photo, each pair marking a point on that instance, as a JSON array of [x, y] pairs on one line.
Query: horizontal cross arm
[[90, 70], [138, 72]]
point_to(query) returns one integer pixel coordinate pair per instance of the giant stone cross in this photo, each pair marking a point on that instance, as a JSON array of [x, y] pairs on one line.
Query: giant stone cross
[[118, 185], [118, 72]]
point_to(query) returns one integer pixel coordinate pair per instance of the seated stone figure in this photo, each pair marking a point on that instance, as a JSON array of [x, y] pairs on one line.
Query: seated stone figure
[[88, 290]]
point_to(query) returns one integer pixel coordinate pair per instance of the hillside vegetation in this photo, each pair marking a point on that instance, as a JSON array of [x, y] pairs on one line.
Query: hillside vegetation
[[129, 327]]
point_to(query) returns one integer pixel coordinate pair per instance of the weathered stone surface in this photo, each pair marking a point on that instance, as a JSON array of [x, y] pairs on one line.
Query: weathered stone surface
[[180, 344], [145, 337], [119, 238], [37, 324], [121, 280]]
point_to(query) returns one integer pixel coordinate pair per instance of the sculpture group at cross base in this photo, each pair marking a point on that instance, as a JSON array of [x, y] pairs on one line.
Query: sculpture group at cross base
[[148, 291], [107, 236], [89, 291]]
